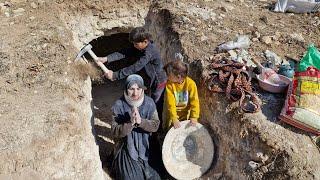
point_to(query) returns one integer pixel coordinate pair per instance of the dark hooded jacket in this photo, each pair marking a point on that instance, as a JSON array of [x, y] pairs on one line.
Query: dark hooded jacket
[[148, 59]]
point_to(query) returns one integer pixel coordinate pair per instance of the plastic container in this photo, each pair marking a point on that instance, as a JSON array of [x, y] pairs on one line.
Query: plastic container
[[286, 70], [274, 88]]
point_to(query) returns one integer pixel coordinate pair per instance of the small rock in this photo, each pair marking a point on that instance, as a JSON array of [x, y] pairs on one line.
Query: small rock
[[253, 165], [297, 37], [233, 54], [7, 14], [264, 19], [18, 12], [2, 7], [32, 17], [40, 1], [224, 9], [264, 169], [203, 38], [274, 38], [217, 176], [266, 39], [255, 39], [263, 158], [34, 5], [185, 19], [256, 34], [244, 55], [278, 34]]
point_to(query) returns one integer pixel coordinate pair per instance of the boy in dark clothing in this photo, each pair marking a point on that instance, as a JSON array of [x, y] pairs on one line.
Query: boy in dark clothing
[[149, 60]]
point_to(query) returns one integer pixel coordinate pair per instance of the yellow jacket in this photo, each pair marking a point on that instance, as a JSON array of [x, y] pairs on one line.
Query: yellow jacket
[[181, 102]]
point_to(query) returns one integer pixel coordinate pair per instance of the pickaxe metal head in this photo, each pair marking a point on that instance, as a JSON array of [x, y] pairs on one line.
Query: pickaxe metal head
[[85, 49], [88, 48]]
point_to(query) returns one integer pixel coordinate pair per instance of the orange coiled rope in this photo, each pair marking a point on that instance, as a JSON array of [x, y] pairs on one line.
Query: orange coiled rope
[[231, 78]]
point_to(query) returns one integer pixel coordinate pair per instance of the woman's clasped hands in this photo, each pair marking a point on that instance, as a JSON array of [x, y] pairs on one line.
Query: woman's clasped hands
[[135, 117]]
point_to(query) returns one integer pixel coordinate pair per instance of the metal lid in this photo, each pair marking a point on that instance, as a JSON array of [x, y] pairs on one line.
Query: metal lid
[[187, 152]]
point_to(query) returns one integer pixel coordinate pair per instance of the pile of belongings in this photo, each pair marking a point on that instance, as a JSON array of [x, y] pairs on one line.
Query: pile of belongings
[[231, 78], [302, 105]]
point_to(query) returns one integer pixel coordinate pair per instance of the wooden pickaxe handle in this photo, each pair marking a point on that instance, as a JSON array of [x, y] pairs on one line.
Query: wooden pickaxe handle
[[100, 64]]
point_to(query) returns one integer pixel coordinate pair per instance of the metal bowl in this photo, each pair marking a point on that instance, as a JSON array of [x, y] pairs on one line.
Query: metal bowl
[[187, 152]]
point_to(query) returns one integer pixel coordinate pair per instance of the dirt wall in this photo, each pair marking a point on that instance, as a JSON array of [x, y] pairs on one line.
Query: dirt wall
[[45, 121]]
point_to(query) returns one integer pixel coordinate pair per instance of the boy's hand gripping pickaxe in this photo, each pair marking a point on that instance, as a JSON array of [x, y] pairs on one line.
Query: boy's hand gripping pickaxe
[[88, 48]]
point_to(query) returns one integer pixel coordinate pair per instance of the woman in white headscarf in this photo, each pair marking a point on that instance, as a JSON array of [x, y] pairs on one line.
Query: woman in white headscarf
[[134, 119]]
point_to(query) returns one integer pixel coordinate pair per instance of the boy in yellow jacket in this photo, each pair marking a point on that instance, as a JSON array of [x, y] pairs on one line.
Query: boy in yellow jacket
[[181, 101]]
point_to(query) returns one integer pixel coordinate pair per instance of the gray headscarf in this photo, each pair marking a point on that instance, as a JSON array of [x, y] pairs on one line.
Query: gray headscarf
[[130, 81]]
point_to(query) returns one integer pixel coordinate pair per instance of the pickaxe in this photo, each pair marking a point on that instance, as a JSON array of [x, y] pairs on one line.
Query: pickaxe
[[88, 48]]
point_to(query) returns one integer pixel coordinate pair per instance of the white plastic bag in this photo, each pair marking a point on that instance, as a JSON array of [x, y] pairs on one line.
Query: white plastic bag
[[242, 42], [269, 75], [297, 6]]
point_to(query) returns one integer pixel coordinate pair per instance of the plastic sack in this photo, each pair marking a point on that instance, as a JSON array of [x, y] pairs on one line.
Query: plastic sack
[[302, 106], [242, 42], [297, 6], [311, 58]]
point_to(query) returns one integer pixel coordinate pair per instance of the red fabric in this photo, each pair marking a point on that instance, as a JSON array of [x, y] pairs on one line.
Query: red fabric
[[162, 85]]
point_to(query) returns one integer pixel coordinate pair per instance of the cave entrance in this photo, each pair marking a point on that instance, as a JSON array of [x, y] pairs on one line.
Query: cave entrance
[[105, 93]]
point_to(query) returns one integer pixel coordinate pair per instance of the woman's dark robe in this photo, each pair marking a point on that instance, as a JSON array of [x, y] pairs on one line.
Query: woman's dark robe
[[132, 142]]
